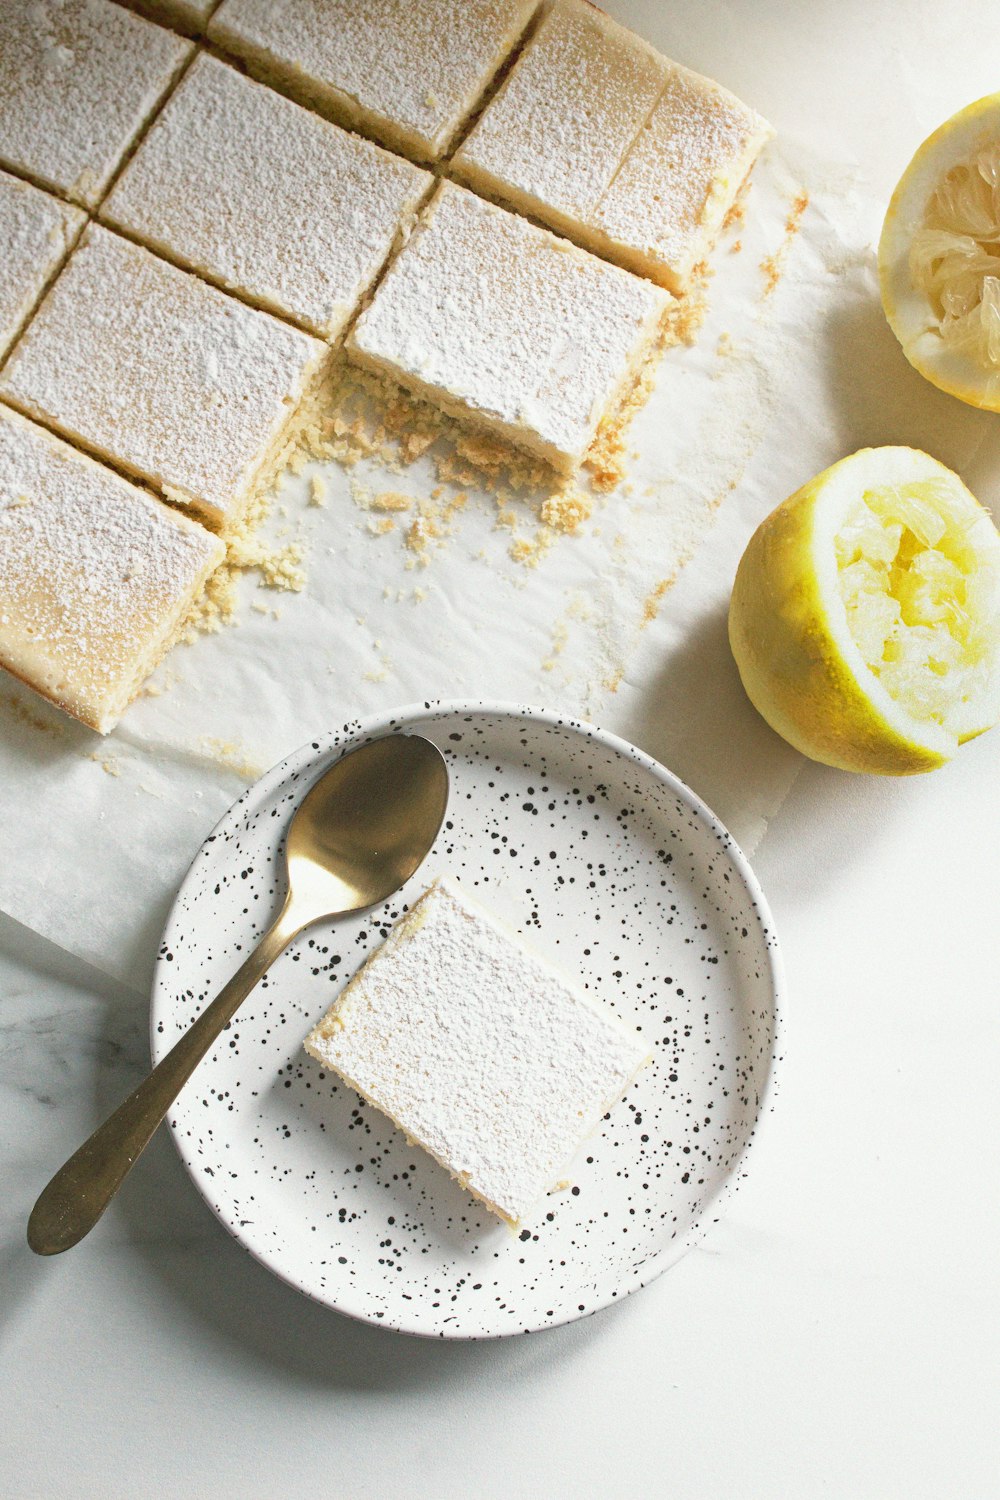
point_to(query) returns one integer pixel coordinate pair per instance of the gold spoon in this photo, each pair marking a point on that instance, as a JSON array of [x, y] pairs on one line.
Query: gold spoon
[[360, 833]]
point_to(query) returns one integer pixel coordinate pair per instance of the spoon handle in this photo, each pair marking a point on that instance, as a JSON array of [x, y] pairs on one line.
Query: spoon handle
[[74, 1200]]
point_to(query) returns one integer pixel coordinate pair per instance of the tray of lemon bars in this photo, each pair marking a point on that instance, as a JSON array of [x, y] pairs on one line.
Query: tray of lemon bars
[[461, 354]]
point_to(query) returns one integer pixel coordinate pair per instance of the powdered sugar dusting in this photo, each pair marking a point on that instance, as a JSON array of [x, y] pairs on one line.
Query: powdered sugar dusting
[[251, 189], [78, 79], [682, 174], [418, 66], [520, 328], [171, 378], [478, 1049], [96, 573], [35, 231], [564, 120], [611, 143]]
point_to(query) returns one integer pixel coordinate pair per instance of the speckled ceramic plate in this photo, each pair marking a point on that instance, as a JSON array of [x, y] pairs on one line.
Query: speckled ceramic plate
[[606, 863]]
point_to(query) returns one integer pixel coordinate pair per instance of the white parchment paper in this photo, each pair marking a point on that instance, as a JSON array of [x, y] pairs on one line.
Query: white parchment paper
[[622, 623]]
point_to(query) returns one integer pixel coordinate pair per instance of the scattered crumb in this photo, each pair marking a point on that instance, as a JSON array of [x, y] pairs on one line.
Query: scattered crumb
[[605, 460], [736, 247], [107, 763], [391, 500], [530, 550], [232, 755], [560, 635], [317, 490], [773, 265], [278, 565], [421, 532], [654, 598], [382, 526], [737, 212], [567, 511]]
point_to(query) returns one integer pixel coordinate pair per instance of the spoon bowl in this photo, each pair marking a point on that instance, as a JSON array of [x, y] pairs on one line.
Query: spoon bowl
[[352, 842], [359, 834]]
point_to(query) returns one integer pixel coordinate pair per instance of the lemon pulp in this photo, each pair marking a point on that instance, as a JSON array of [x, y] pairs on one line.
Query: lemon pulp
[[939, 256], [921, 600], [955, 256]]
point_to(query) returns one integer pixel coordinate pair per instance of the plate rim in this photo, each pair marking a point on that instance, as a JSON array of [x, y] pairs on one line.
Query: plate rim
[[409, 716]]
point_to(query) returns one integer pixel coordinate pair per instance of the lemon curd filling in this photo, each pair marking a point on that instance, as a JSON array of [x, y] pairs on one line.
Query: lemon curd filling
[[921, 598], [955, 257]]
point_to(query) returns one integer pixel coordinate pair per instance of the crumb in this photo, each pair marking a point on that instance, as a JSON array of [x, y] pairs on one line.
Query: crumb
[[232, 755], [108, 764], [560, 635], [530, 550], [567, 511], [651, 604], [736, 213], [773, 266], [317, 490], [420, 534], [391, 500]]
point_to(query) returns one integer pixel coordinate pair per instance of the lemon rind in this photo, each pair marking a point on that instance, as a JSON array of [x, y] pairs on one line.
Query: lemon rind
[[790, 636]]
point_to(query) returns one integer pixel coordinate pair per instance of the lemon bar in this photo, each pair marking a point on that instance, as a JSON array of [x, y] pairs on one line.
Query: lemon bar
[[78, 79], [157, 372], [478, 1049], [253, 191], [98, 575], [408, 72], [605, 140], [506, 325], [37, 232]]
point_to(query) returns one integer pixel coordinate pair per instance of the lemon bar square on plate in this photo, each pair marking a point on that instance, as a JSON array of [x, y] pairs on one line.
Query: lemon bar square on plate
[[98, 575], [500, 322], [478, 1049], [259, 194], [78, 80], [36, 231], [604, 139], [163, 375], [407, 72]]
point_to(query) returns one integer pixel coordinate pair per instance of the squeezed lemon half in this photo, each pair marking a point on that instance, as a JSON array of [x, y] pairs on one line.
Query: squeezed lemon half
[[939, 256], [865, 615]]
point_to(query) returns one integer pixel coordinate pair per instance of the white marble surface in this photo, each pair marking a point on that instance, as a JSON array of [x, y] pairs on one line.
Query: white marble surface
[[836, 1334]]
